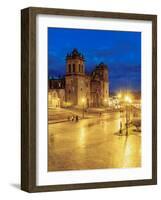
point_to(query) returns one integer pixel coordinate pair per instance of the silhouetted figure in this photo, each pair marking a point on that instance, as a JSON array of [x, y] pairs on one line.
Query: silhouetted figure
[[100, 114], [76, 118], [72, 118], [68, 118], [120, 127]]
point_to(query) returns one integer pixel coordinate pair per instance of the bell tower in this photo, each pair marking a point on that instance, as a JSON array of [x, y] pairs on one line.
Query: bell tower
[[100, 85], [74, 63], [75, 78]]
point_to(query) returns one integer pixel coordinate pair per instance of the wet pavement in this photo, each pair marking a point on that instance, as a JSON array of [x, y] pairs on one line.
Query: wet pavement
[[92, 144]]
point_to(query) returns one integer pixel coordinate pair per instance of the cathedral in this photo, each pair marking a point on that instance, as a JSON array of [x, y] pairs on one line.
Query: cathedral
[[78, 88]]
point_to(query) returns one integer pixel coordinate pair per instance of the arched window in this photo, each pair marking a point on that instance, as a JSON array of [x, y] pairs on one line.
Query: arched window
[[54, 94], [73, 67], [82, 68], [79, 68], [69, 68], [59, 84]]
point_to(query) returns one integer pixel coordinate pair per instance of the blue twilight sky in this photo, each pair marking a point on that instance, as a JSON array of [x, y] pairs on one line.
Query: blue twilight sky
[[120, 50]]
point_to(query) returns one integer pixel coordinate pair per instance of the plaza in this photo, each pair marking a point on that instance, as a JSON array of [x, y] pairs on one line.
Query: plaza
[[93, 142]]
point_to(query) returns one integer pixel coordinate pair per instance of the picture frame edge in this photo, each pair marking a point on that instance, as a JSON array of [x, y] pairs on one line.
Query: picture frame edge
[[28, 102]]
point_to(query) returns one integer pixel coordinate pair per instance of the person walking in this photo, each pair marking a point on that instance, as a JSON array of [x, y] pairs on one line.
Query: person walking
[[76, 118], [120, 127]]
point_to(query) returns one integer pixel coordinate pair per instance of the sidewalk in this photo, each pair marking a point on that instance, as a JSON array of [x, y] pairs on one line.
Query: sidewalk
[[63, 115]]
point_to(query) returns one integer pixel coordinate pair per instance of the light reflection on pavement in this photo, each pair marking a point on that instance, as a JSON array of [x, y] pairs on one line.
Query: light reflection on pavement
[[92, 144]]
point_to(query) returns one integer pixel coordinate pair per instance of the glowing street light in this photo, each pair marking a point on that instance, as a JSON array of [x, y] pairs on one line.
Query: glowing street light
[[128, 99], [83, 100], [119, 95]]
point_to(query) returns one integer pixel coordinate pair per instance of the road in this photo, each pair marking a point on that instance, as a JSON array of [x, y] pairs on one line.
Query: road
[[92, 144]]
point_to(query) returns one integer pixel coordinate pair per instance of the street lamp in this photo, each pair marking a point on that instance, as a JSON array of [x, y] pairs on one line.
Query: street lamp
[[105, 102], [83, 102], [119, 95], [128, 101]]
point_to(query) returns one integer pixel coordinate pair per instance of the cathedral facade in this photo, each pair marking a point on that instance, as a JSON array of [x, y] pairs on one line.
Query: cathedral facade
[[79, 88]]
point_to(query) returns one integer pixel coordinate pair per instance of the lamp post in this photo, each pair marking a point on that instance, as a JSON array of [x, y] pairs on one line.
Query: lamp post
[[119, 96], [105, 103], [83, 102], [128, 101]]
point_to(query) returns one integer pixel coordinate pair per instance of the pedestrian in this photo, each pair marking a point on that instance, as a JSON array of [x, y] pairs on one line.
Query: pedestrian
[[120, 127], [68, 118], [76, 118], [100, 114]]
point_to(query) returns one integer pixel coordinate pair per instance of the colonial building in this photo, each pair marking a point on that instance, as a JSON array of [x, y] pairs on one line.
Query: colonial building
[[78, 88], [56, 93], [99, 85]]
